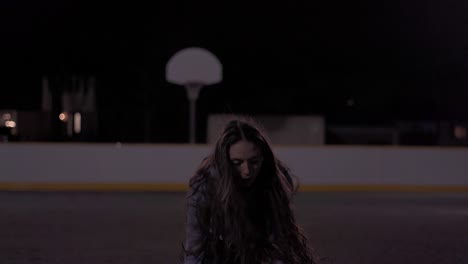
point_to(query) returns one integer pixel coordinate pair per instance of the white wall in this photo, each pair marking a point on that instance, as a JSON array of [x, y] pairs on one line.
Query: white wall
[[110, 163], [378, 165], [287, 129]]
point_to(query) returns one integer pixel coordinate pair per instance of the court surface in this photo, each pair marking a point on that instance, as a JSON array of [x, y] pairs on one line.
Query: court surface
[[345, 228]]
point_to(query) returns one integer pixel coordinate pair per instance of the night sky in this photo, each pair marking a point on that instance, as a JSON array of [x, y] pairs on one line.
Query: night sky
[[402, 60]]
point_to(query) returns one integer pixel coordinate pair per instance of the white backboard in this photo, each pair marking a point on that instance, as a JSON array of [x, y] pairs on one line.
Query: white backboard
[[194, 66]]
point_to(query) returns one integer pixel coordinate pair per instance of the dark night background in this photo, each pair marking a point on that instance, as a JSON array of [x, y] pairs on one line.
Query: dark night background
[[395, 60]]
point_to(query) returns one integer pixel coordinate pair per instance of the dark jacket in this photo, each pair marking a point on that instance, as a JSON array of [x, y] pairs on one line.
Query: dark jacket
[[192, 229]]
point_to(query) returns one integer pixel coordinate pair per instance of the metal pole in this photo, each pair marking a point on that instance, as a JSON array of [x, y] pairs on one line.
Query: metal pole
[[192, 121], [193, 89]]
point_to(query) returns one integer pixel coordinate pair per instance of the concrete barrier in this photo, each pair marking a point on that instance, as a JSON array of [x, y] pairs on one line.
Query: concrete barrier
[[51, 166]]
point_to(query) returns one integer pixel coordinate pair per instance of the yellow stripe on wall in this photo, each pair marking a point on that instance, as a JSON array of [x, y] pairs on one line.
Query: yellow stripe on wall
[[124, 187], [382, 188], [179, 187]]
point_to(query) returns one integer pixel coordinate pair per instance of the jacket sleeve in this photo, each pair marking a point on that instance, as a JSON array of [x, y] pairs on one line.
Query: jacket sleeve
[[192, 229]]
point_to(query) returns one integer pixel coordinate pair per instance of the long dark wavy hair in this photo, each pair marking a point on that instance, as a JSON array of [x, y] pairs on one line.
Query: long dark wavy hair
[[240, 225]]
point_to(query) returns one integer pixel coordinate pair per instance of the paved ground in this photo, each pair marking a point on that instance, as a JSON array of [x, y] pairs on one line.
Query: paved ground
[[347, 228]]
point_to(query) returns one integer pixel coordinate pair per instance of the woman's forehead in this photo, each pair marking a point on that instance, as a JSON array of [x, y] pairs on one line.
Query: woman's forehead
[[244, 150]]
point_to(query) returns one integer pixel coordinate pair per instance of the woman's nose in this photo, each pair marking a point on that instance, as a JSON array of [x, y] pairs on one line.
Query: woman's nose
[[245, 168]]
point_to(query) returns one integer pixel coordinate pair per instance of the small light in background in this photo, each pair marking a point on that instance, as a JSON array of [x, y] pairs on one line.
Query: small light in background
[[350, 102], [460, 132], [77, 123], [6, 116], [63, 117], [11, 124]]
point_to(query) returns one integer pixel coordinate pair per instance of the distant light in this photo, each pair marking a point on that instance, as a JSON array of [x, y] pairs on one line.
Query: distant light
[[77, 123], [351, 102], [6, 116], [10, 124], [460, 132], [63, 116]]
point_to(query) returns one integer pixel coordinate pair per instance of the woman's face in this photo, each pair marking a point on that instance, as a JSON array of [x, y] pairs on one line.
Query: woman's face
[[247, 159]]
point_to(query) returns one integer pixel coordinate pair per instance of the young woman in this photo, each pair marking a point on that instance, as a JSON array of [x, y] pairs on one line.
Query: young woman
[[239, 205]]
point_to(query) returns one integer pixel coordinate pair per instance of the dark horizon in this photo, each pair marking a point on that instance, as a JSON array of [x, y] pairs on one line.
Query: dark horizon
[[393, 62]]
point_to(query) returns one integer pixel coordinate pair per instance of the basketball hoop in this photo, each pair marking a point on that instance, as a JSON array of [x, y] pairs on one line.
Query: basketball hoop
[[193, 68], [193, 89]]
